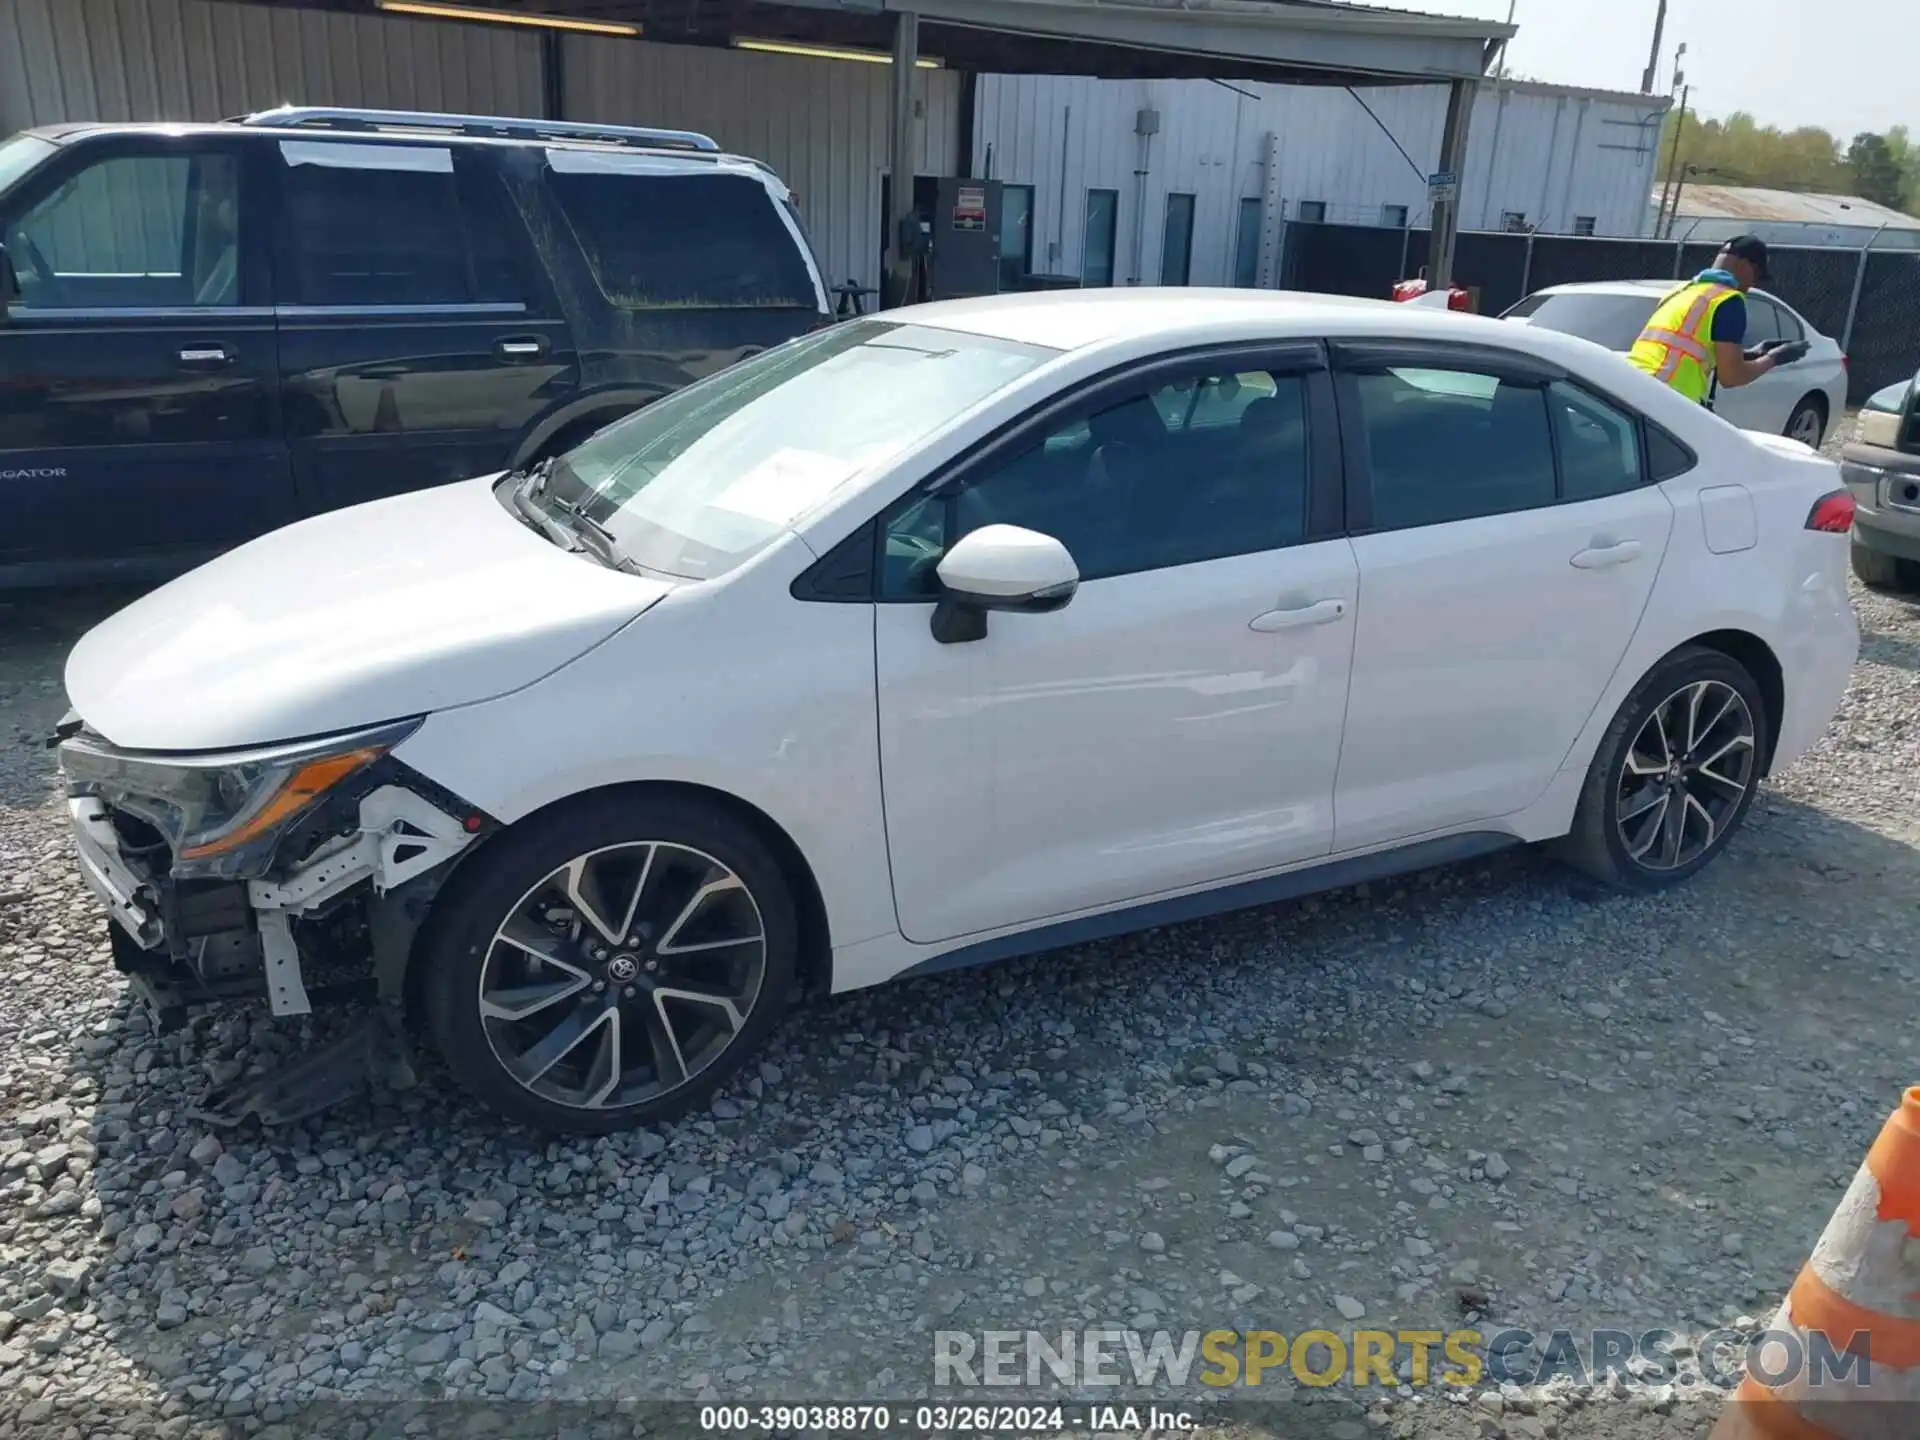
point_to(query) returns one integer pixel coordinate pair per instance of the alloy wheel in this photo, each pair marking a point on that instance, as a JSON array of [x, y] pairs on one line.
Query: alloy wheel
[[1685, 776], [622, 975], [1805, 427]]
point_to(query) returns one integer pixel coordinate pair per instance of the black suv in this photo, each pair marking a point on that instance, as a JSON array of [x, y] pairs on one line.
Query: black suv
[[215, 329]]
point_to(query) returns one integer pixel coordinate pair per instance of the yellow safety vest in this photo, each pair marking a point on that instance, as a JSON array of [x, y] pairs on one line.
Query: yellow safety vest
[[1677, 345]]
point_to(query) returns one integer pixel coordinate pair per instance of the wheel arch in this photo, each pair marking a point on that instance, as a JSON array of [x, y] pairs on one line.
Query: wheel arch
[[558, 429], [814, 963], [1756, 657]]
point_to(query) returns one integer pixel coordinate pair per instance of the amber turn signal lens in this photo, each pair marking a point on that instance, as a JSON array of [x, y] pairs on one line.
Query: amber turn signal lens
[[301, 788]]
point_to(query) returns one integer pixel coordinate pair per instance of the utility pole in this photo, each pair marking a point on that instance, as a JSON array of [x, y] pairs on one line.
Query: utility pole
[[1653, 56], [1674, 182]]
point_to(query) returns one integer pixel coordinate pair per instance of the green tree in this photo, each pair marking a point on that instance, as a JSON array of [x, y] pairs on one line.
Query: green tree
[[1740, 151], [1875, 170]]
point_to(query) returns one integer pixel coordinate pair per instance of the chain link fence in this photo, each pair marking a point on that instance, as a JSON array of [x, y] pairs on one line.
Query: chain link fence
[[1868, 300]]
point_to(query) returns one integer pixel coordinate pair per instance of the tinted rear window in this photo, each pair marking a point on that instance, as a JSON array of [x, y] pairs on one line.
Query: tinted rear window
[[1614, 321], [680, 241]]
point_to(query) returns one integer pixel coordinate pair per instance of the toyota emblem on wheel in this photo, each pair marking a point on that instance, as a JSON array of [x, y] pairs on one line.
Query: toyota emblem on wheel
[[622, 968]]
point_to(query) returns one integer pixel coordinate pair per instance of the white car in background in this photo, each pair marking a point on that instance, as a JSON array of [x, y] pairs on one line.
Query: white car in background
[[1802, 400], [961, 632]]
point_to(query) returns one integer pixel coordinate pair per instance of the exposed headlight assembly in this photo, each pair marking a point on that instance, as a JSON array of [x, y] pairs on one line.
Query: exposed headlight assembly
[[222, 814]]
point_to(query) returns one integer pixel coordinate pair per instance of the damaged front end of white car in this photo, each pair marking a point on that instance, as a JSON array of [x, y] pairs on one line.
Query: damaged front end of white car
[[298, 873]]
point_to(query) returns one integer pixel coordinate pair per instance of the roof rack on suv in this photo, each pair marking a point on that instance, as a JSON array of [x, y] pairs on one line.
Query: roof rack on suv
[[320, 117]]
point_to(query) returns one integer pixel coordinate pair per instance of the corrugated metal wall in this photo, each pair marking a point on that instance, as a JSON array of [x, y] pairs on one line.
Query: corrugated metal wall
[[1552, 157], [195, 60], [821, 123]]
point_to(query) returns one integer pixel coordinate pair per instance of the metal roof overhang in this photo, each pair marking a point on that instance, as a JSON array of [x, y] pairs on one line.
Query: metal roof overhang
[[1315, 42]]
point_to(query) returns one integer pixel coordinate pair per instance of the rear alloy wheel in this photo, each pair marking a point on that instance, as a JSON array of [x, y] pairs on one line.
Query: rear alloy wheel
[[1674, 776], [643, 956], [1808, 423]]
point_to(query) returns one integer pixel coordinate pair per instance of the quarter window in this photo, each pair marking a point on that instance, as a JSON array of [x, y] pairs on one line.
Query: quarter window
[[1599, 446], [134, 232], [1453, 445], [680, 240], [1208, 467]]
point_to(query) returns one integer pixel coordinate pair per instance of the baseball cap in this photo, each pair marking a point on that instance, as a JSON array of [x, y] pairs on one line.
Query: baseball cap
[[1750, 248]]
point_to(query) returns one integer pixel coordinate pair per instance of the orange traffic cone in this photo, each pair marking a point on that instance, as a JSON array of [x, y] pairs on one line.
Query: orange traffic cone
[[1841, 1360]]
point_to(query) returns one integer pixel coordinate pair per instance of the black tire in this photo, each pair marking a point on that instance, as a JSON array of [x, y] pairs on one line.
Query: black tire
[[1811, 411], [1597, 843], [511, 870], [1873, 568]]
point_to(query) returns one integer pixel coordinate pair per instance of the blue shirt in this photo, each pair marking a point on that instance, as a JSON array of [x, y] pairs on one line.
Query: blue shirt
[[1730, 320]]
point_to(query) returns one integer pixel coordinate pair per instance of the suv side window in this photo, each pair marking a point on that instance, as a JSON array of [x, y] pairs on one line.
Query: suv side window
[[1448, 444], [681, 239], [134, 232], [382, 224], [1126, 492]]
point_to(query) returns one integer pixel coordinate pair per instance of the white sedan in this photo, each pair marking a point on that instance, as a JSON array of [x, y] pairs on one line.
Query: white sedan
[[1802, 400], [956, 633]]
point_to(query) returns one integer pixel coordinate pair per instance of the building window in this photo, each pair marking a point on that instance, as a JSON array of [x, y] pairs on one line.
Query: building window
[[1096, 249], [1313, 211], [1583, 224], [1016, 235], [1246, 245], [1514, 222], [1176, 241], [1394, 217]]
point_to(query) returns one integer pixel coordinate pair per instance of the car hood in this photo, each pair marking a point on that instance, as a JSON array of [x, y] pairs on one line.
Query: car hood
[[395, 608]]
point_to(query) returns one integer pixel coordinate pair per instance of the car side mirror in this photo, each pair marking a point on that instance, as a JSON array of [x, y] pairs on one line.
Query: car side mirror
[[1000, 567]]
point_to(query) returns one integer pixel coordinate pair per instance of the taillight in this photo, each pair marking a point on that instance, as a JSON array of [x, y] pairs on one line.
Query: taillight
[[1846, 365], [1832, 513]]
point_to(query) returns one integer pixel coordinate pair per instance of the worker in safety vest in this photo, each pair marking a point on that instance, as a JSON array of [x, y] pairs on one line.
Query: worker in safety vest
[[1695, 341]]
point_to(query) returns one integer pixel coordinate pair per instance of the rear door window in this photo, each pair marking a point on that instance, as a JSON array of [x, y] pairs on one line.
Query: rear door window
[[370, 225], [661, 236]]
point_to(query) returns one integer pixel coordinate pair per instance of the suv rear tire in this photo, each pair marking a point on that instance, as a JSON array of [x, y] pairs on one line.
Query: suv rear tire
[[1673, 777], [608, 963]]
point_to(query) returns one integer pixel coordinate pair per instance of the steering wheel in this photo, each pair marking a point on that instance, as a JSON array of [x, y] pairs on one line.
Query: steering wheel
[[37, 265]]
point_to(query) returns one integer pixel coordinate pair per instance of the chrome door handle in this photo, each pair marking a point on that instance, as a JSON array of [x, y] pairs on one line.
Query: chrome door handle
[[1321, 612], [204, 357], [1599, 557], [521, 349]]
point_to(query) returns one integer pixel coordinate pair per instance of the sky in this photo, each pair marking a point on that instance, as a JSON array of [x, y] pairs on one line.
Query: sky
[[1844, 65]]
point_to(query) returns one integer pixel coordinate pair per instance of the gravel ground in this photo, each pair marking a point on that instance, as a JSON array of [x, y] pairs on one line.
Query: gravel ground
[[1483, 1095]]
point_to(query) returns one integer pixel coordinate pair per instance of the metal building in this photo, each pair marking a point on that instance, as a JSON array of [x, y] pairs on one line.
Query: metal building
[[825, 123], [1187, 181]]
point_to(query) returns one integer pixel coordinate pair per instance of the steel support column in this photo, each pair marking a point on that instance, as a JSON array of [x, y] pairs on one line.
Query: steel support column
[[900, 150], [1453, 161]]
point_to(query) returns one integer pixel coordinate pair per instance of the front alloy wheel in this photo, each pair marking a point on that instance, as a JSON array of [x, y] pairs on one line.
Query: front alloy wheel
[[642, 955], [1685, 776], [622, 975]]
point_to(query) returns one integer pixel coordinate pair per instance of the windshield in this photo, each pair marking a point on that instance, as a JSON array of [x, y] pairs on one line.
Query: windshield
[[697, 482], [1614, 321], [19, 155]]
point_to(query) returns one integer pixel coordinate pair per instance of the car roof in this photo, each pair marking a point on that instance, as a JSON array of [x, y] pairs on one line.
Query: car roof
[[1084, 319], [70, 131], [1656, 288]]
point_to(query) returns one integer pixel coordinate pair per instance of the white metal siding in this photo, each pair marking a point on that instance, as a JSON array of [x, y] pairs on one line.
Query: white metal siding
[[821, 123], [196, 60], [1549, 156]]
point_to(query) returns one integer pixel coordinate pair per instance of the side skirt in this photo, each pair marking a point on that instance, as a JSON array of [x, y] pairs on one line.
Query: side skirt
[[1311, 880]]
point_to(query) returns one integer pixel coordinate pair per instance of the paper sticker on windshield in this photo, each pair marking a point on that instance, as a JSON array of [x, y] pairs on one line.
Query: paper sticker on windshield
[[784, 486]]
